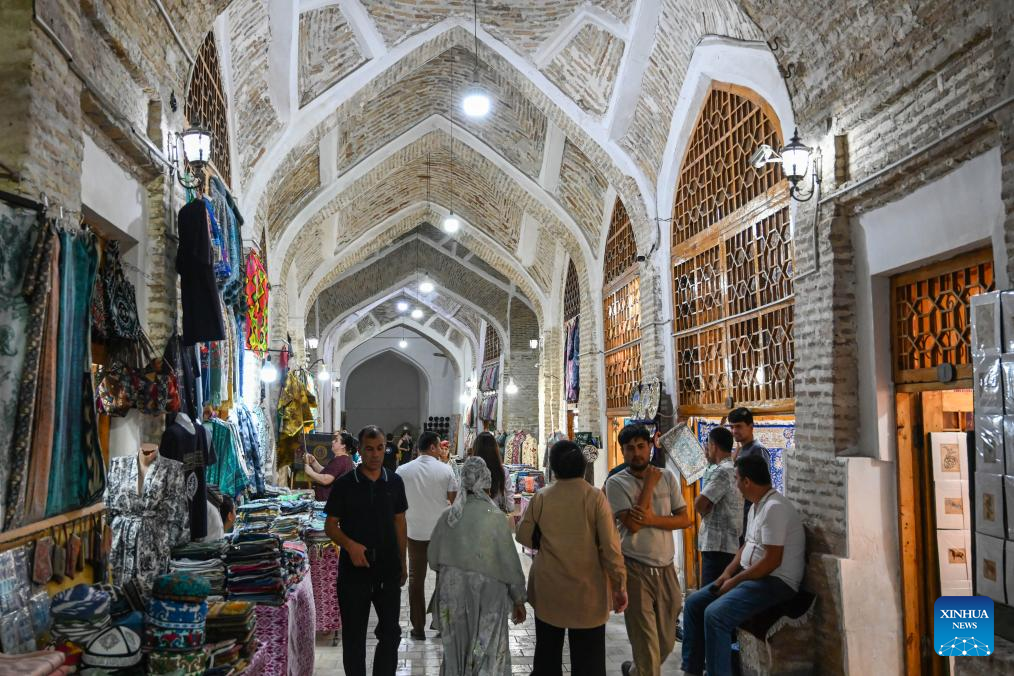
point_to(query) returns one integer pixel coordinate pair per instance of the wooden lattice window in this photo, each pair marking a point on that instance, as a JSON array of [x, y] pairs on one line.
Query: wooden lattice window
[[622, 316], [571, 295], [621, 251], [206, 105], [623, 369], [732, 263], [931, 320], [491, 350]]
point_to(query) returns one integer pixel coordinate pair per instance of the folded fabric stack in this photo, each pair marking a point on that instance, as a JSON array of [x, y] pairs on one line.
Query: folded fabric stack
[[204, 559], [297, 562], [288, 527], [230, 636], [256, 515], [79, 614], [253, 569], [174, 624], [313, 534], [116, 650], [296, 506], [39, 663]]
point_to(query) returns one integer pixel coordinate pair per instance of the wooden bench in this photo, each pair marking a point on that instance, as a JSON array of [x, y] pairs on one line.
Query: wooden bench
[[780, 641]]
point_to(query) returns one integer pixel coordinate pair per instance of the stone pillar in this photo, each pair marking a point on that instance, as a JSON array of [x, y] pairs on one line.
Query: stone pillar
[[521, 411], [551, 373]]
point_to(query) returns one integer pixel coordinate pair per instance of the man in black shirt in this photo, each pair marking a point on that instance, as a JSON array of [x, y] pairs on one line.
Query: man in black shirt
[[366, 519], [741, 424]]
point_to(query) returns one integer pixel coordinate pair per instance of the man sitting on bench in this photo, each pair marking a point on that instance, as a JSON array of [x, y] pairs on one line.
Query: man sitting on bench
[[766, 571]]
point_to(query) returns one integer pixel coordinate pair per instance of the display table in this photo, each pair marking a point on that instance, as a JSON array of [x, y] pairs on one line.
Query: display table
[[324, 571], [285, 634]]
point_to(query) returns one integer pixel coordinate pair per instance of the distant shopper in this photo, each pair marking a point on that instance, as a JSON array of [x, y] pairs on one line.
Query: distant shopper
[[323, 477], [390, 454], [720, 506], [405, 448], [741, 424], [500, 490], [430, 486], [480, 582], [578, 575], [648, 504], [766, 570], [366, 519]]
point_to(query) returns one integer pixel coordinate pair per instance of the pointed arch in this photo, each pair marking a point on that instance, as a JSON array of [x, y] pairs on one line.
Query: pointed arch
[[732, 262]]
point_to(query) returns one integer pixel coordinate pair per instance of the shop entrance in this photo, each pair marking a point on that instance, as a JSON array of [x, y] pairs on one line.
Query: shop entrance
[[931, 363]]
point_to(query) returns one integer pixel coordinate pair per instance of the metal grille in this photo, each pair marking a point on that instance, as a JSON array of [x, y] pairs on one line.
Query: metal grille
[[623, 369], [716, 178], [621, 251], [206, 106], [571, 295], [623, 315], [491, 350], [732, 264], [931, 315]]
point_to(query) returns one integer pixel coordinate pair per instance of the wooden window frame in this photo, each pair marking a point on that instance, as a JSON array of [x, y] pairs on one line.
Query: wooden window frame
[[620, 247], [206, 105]]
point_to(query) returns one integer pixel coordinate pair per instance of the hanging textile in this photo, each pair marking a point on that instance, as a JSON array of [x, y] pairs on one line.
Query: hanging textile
[[231, 223], [195, 263], [226, 472], [76, 472], [250, 443], [256, 304], [571, 372], [490, 378], [220, 254], [182, 442], [146, 525], [487, 409], [25, 242], [265, 443]]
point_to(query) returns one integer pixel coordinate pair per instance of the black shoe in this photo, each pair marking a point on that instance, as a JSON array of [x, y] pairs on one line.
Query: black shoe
[[418, 635], [625, 668]]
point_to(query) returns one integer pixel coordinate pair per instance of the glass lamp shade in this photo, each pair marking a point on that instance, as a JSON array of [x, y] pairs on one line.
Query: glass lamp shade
[[512, 387], [312, 343], [402, 306], [417, 313], [451, 223], [426, 286], [476, 103], [533, 343], [403, 343], [323, 376], [269, 373], [795, 159], [197, 146]]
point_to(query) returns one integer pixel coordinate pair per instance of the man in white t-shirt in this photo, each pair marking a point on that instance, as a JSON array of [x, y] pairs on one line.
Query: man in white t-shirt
[[429, 487], [766, 571]]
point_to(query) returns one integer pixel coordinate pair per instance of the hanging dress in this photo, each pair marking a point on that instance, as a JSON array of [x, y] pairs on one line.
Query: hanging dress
[[146, 525], [202, 314]]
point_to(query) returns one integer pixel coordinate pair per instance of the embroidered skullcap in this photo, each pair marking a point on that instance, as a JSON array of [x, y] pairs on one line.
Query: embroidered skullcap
[[116, 647], [190, 662], [80, 602], [181, 586]]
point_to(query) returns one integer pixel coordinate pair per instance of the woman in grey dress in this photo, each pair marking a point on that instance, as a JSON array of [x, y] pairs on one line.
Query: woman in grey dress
[[480, 580]]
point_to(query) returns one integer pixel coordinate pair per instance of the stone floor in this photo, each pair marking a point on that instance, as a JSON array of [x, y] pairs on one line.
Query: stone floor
[[422, 658]]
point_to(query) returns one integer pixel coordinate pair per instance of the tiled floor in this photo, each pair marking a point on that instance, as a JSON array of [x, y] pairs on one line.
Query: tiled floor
[[422, 658]]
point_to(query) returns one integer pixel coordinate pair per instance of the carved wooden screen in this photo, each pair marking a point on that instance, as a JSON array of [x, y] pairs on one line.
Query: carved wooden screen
[[491, 349], [571, 295], [931, 321], [206, 105], [732, 263], [621, 316]]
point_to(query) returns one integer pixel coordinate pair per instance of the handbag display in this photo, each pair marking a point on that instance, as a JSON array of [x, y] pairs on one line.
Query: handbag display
[[152, 389], [120, 297], [42, 563]]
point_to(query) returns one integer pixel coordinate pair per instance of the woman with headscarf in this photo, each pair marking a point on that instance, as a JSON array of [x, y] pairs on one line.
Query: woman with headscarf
[[480, 581]]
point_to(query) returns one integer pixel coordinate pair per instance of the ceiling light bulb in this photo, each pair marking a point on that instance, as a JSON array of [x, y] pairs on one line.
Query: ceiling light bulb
[[511, 388], [403, 343], [426, 286], [337, 384], [402, 306], [533, 343], [269, 373], [312, 343], [476, 103], [323, 376], [451, 223], [417, 313]]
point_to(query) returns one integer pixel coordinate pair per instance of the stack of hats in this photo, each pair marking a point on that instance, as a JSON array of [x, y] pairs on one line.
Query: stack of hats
[[174, 624], [79, 615], [253, 568], [204, 559], [115, 650], [230, 635], [126, 606]]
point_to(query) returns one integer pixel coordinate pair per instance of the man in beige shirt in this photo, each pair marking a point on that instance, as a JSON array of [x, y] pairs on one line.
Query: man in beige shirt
[[648, 506]]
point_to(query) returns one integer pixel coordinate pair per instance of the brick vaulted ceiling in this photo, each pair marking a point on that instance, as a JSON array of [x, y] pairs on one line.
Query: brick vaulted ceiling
[[348, 130]]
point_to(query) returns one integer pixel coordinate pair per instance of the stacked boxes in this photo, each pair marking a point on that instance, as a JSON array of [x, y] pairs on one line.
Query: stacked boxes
[[953, 514], [993, 383]]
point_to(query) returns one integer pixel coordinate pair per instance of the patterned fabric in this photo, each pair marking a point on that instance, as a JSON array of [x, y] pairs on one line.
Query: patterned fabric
[[720, 527], [36, 292], [185, 663], [572, 350], [324, 571], [265, 443], [777, 437], [471, 611], [226, 472], [185, 590], [19, 230], [121, 299], [285, 632], [250, 442], [219, 252], [256, 303], [147, 526], [233, 290]]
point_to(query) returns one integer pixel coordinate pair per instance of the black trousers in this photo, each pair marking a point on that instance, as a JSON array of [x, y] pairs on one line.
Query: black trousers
[[714, 564], [356, 593], [587, 650]]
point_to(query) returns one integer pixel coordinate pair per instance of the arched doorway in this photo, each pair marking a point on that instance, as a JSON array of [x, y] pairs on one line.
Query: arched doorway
[[385, 390]]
